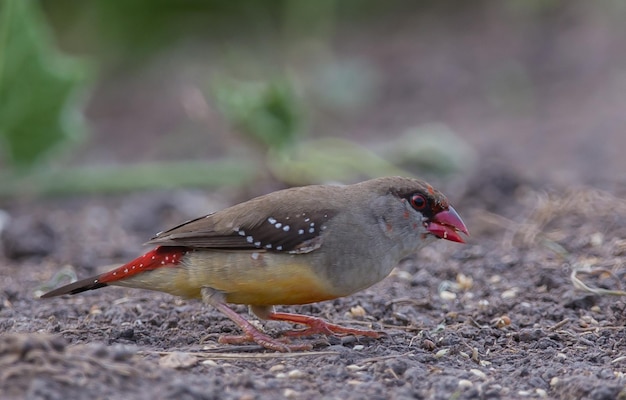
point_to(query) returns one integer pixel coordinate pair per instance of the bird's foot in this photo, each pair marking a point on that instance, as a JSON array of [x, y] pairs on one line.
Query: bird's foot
[[250, 332], [262, 339], [318, 325]]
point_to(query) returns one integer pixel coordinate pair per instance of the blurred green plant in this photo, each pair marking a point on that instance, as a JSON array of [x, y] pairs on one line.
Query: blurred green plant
[[41, 113], [38, 88], [328, 160], [430, 148], [124, 178], [266, 112], [272, 115]]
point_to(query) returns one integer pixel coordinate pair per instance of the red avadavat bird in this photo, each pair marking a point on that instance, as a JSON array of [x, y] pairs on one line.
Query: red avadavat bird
[[294, 246]]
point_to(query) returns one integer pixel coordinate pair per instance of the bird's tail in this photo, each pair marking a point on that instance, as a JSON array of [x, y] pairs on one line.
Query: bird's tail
[[76, 287], [160, 257]]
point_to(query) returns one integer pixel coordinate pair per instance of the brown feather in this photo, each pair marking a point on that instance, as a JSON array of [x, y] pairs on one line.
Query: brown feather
[[259, 224]]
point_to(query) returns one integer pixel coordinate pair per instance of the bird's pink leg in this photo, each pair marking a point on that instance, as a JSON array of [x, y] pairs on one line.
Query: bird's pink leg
[[318, 325], [251, 334]]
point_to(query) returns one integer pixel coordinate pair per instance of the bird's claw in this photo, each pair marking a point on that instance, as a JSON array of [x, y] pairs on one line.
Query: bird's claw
[[265, 341], [319, 326]]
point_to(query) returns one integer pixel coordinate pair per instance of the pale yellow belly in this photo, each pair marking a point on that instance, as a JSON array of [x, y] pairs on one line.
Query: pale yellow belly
[[246, 278]]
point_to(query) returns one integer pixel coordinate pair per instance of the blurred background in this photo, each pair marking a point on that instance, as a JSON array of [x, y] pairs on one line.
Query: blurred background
[[103, 95], [123, 118]]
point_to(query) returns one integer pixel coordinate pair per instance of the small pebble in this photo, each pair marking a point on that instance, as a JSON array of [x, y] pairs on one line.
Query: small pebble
[[178, 360], [465, 383], [428, 344], [509, 294], [296, 374], [290, 393], [441, 353], [277, 367], [404, 276], [357, 312], [465, 282], [447, 295], [478, 373], [502, 321], [596, 239]]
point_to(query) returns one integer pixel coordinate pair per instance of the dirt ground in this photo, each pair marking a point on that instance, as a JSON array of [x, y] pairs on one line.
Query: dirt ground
[[520, 311], [498, 317]]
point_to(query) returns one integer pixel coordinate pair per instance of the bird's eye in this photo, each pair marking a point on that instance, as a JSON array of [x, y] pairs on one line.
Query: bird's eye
[[418, 202]]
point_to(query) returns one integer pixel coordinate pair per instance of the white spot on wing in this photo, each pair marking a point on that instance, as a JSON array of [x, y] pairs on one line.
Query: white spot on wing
[[249, 239], [271, 220], [286, 228]]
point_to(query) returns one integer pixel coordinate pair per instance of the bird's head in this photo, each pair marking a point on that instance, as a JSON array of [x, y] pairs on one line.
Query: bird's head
[[413, 207]]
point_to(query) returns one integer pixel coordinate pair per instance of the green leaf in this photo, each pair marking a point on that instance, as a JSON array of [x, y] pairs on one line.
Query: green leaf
[[266, 112], [38, 85]]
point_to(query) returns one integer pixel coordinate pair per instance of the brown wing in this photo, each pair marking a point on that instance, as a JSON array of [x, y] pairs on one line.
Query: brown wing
[[246, 227]]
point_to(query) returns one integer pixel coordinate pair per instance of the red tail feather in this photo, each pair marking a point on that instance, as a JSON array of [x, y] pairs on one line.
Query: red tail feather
[[163, 256]]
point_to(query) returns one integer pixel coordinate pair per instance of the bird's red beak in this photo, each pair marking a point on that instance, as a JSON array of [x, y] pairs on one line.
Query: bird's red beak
[[446, 225]]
